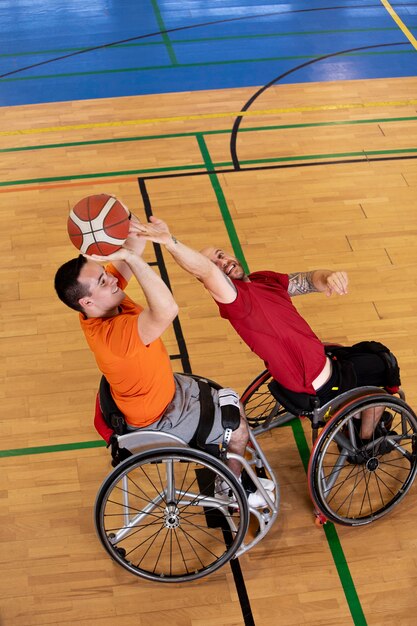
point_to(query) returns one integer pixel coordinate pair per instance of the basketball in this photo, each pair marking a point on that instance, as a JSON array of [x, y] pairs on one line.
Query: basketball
[[98, 224]]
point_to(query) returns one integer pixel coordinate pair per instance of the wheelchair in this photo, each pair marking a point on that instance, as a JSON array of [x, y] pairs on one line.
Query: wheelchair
[[160, 514], [351, 482]]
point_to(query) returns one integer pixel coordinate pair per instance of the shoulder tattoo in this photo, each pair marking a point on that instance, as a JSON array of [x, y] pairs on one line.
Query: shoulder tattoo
[[301, 283]]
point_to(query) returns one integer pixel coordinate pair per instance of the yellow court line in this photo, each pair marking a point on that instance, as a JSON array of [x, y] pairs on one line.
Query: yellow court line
[[400, 23], [207, 116]]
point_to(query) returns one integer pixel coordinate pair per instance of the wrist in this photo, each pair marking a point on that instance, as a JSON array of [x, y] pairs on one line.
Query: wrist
[[131, 256], [171, 242]]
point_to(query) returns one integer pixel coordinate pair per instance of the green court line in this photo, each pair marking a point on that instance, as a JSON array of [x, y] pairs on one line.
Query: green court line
[[61, 447], [331, 534], [224, 209], [303, 449], [204, 40], [153, 68], [186, 168], [225, 131], [54, 179], [332, 538], [164, 34], [301, 442]]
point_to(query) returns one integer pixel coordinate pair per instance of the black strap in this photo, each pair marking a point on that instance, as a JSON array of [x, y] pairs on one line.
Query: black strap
[[206, 420], [117, 454], [230, 410]]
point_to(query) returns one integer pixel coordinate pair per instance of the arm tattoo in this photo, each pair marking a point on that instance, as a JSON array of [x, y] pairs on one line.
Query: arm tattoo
[[301, 283], [174, 239]]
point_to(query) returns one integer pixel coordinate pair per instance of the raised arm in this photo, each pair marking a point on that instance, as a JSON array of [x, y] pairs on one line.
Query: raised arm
[[135, 243], [161, 307], [325, 281], [213, 279]]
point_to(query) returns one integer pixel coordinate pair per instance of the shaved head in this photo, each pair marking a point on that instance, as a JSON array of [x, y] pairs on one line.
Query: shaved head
[[228, 264]]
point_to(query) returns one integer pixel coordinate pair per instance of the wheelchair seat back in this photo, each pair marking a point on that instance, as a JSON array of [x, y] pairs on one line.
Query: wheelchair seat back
[[110, 422], [296, 403], [304, 404]]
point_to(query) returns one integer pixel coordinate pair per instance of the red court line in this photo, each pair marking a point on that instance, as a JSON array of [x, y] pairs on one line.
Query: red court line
[[83, 183]]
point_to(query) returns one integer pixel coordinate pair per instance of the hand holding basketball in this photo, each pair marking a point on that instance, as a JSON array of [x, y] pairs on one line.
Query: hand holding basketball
[[134, 245], [122, 254], [98, 224]]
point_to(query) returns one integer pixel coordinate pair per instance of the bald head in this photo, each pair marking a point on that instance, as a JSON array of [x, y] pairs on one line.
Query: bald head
[[228, 264]]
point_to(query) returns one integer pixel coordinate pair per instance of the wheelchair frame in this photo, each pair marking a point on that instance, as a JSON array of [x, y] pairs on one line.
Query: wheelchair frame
[[164, 549], [156, 520], [351, 482]]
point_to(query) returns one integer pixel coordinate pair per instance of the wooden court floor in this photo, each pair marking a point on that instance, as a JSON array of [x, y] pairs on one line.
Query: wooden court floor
[[327, 177]]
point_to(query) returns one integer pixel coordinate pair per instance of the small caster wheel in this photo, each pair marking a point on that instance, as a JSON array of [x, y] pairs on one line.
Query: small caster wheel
[[319, 519]]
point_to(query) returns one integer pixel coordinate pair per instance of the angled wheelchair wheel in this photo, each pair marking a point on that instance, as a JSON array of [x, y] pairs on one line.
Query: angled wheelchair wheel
[[161, 514], [354, 481], [261, 408]]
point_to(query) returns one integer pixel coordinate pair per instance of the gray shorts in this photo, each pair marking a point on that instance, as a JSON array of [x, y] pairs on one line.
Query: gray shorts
[[182, 415]]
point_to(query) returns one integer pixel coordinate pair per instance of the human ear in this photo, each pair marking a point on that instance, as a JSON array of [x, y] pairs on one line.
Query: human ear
[[85, 303]]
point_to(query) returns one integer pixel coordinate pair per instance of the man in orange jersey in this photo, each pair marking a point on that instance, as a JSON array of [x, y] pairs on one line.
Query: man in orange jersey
[[126, 341]]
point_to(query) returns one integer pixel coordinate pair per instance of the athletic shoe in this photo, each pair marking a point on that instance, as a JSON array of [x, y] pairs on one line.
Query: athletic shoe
[[250, 487], [385, 423], [267, 484], [384, 446], [255, 498], [257, 501]]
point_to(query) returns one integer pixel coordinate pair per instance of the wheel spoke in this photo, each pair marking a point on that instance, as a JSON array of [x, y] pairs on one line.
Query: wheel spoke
[[360, 486], [170, 538]]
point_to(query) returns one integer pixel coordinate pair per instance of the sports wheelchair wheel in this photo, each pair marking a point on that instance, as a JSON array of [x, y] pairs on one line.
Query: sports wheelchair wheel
[[261, 408], [157, 514], [354, 482]]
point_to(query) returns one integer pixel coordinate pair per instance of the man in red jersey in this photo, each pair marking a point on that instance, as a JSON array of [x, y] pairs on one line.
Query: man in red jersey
[[260, 309]]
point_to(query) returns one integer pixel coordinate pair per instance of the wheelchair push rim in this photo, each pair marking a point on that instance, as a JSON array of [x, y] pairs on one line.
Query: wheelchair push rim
[[352, 483], [157, 515]]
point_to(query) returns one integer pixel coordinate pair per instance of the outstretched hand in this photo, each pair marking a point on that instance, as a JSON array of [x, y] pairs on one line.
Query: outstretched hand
[[155, 230], [336, 282]]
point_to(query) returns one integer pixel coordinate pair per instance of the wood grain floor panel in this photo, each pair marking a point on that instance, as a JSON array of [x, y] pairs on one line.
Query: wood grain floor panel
[[358, 216]]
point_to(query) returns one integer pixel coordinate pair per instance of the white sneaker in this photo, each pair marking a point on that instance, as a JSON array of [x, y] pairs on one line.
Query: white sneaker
[[267, 484], [255, 499]]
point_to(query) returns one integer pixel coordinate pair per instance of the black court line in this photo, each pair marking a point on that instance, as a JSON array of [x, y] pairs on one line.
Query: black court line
[[364, 159], [274, 81], [185, 360], [201, 25], [234, 563]]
